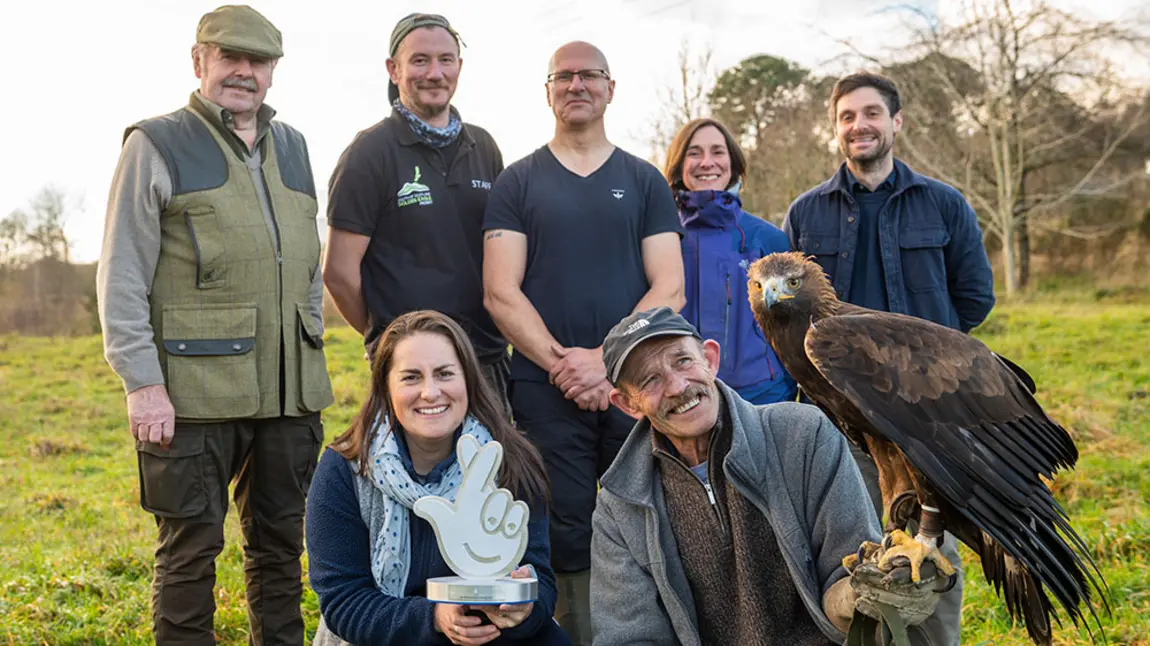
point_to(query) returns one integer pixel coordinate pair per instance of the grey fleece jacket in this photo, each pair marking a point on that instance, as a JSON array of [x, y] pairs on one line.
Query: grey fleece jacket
[[791, 463]]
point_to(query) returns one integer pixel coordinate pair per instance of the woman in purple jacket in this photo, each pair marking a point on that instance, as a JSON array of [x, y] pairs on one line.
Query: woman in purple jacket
[[721, 240]]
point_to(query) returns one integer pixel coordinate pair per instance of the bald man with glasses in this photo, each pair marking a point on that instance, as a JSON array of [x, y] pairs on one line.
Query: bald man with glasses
[[577, 235]]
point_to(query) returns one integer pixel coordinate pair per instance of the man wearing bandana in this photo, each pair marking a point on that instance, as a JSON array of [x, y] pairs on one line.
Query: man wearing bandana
[[406, 201]]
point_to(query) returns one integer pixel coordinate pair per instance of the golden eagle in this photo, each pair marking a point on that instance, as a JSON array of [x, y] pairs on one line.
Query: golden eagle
[[958, 438]]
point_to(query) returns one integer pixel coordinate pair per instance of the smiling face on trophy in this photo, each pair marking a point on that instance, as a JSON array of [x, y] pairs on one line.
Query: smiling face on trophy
[[483, 534]]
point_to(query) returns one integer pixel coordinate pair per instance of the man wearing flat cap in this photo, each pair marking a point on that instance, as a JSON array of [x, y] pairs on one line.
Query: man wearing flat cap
[[210, 298], [406, 201], [721, 522]]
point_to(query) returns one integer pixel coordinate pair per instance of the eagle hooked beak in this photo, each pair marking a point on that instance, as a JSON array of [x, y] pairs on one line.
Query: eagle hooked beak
[[774, 291]]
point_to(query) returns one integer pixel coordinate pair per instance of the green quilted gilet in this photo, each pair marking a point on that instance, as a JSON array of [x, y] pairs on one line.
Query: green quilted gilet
[[230, 314]]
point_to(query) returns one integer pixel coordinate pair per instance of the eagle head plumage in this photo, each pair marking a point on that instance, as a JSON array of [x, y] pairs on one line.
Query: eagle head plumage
[[788, 286]]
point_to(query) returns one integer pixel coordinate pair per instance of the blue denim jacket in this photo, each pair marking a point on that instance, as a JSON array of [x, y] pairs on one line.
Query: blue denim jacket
[[930, 244]]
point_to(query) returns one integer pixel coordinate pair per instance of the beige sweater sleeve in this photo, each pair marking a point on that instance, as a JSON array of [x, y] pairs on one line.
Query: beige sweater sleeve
[[141, 189]]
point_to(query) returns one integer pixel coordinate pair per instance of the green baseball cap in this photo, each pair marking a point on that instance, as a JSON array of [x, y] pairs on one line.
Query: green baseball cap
[[408, 24], [240, 28]]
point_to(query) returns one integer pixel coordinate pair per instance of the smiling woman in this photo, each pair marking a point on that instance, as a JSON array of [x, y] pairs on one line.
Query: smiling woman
[[370, 556], [704, 168]]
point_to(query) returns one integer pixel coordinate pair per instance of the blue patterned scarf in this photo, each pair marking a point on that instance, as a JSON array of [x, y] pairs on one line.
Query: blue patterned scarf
[[429, 134], [391, 548]]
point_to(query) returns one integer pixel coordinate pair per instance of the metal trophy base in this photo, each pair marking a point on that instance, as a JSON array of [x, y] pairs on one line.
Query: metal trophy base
[[456, 589]]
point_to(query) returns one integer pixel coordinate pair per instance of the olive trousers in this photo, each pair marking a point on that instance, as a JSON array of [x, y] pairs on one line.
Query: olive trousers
[[185, 486]]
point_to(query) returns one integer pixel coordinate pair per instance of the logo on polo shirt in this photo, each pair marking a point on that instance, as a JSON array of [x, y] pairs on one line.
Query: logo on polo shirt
[[617, 192], [413, 192]]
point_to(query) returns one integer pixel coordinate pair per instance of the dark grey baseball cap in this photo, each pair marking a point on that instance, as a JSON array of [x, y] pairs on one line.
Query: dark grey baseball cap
[[637, 328]]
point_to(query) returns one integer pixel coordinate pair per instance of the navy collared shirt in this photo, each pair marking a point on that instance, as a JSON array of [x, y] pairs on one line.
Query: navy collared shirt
[[868, 288]]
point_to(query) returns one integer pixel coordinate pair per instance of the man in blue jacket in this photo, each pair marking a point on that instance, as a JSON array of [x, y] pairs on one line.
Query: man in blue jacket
[[889, 238]]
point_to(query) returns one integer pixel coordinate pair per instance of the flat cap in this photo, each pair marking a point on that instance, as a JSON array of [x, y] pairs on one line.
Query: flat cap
[[240, 28]]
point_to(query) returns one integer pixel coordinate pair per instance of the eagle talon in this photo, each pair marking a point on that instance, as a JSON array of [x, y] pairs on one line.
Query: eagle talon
[[868, 552], [951, 581], [902, 546]]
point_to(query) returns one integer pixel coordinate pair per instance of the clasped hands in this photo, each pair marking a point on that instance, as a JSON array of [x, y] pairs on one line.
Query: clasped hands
[[581, 376]]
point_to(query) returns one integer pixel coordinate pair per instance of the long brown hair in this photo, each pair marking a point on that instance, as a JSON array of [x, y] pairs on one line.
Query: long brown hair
[[522, 469], [677, 152]]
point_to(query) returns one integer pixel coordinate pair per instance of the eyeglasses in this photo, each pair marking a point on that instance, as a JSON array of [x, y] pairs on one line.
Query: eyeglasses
[[587, 76]]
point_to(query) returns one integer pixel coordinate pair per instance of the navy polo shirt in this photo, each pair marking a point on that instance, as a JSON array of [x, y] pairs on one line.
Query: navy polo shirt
[[423, 210], [868, 281]]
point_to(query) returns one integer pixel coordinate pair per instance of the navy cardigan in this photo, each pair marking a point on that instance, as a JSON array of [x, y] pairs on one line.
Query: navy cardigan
[[355, 609]]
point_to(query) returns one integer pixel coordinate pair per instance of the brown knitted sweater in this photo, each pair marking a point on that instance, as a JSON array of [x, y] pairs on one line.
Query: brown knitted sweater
[[743, 593]]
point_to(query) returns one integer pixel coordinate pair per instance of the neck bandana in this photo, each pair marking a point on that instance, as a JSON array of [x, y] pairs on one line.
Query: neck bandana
[[429, 134]]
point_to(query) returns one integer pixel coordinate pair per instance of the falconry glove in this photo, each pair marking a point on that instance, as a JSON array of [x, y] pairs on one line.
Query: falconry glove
[[891, 598]]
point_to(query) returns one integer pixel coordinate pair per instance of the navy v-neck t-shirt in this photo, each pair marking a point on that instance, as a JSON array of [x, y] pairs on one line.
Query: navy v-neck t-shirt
[[584, 234]]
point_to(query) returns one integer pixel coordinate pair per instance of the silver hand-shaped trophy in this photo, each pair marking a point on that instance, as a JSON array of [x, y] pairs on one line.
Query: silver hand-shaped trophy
[[482, 535]]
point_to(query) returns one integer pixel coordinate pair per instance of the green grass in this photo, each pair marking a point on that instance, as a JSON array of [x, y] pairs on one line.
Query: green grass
[[1089, 360], [75, 548]]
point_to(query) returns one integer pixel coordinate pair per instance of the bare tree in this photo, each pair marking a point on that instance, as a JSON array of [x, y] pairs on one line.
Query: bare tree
[[13, 238], [46, 224], [1028, 91], [682, 101], [41, 292]]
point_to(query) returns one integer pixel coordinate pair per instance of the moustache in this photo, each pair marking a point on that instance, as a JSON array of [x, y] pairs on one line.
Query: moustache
[[866, 133], [696, 390], [431, 85], [244, 84]]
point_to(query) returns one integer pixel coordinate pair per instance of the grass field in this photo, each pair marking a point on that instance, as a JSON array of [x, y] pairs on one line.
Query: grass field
[[75, 548]]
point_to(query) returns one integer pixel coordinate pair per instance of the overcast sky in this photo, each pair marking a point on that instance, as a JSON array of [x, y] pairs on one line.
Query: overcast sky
[[77, 73]]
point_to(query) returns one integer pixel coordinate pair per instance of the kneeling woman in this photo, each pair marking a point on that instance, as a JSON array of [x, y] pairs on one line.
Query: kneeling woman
[[369, 556]]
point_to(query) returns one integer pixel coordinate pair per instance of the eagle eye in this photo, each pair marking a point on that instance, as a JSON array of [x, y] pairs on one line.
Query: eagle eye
[[794, 283], [758, 284]]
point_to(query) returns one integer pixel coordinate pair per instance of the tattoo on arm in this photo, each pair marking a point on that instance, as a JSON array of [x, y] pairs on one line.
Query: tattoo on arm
[[494, 234]]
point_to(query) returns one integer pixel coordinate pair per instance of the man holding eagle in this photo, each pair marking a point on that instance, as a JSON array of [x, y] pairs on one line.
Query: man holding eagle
[[736, 518], [721, 522]]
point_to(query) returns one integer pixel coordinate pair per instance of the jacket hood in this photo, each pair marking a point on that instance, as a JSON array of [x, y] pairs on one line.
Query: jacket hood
[[716, 209]]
